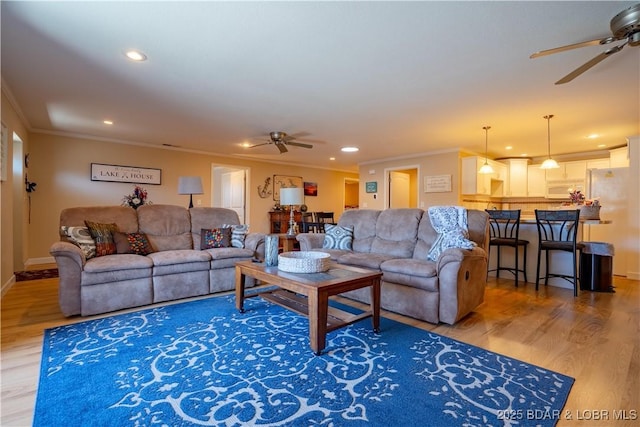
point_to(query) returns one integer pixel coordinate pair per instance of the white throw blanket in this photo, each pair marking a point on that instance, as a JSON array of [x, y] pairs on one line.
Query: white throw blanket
[[451, 224]]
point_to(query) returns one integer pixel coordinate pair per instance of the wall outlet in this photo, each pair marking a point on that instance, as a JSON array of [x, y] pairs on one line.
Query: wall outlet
[[199, 202]]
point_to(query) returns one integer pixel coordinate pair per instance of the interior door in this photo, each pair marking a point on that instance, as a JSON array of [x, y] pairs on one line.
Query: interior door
[[399, 188], [233, 193]]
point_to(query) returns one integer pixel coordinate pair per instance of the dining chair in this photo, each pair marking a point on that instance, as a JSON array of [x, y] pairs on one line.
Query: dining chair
[[558, 231], [504, 230], [325, 217]]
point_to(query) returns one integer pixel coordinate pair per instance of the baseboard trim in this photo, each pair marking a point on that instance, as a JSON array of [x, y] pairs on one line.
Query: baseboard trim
[[8, 284], [42, 260]]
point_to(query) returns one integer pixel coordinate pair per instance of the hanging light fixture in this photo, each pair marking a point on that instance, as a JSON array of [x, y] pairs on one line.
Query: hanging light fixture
[[549, 163], [486, 168]]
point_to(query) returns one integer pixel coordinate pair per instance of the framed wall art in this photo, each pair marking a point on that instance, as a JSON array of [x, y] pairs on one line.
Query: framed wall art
[[310, 188], [132, 174], [437, 184], [371, 187], [285, 181]]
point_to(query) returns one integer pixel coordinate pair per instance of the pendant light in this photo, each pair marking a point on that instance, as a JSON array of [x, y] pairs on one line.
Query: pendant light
[[486, 168], [549, 163]]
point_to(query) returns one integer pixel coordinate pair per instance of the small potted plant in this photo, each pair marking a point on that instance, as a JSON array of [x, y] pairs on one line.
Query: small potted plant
[[136, 199]]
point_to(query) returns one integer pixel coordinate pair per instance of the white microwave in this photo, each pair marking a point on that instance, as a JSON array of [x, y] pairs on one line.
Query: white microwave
[[561, 189]]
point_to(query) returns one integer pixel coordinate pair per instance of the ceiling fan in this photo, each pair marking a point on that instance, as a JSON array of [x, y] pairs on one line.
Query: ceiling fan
[[624, 26], [281, 140]]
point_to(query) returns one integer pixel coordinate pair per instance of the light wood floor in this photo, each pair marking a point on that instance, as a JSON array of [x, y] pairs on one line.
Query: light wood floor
[[593, 338]]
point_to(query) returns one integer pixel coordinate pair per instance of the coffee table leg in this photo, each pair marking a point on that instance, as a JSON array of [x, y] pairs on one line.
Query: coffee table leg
[[240, 284], [318, 309], [375, 305]]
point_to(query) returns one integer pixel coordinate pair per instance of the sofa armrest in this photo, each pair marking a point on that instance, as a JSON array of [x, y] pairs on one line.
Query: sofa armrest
[[255, 242], [70, 261], [310, 241], [462, 277]]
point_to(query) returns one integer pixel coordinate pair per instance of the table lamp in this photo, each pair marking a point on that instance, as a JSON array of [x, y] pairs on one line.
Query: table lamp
[[291, 196], [190, 185]]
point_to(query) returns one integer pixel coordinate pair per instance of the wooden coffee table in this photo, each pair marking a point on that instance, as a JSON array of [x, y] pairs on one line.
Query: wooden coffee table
[[308, 294]]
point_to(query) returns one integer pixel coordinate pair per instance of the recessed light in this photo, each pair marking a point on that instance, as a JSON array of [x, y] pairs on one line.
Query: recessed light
[[349, 149], [523, 155], [135, 55], [602, 145], [593, 136], [245, 144], [107, 122], [332, 158]]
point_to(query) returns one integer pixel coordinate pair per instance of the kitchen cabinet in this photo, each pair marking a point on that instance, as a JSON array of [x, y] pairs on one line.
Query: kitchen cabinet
[[619, 157], [475, 183], [517, 181], [535, 181], [575, 170], [598, 164]]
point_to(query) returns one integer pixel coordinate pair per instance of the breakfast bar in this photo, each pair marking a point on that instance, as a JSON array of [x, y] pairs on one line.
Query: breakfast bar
[[560, 261]]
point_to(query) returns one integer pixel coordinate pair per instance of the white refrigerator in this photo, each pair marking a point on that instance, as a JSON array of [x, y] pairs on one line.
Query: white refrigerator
[[612, 188]]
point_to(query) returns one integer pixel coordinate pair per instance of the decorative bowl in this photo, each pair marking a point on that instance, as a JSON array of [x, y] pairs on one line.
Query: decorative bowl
[[304, 261]]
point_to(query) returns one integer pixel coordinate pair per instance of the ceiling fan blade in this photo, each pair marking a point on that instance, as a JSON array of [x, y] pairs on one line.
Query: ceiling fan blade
[[596, 42], [297, 135], [258, 145], [299, 144], [281, 147], [587, 65]]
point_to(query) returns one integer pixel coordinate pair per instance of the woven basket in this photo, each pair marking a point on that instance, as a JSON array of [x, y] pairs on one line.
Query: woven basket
[[589, 212], [304, 262]]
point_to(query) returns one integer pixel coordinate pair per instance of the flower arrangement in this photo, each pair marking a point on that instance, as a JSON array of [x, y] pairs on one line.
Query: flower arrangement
[[136, 199], [576, 196]]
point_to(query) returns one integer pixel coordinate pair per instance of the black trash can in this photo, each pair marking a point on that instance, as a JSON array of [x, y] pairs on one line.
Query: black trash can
[[596, 267]]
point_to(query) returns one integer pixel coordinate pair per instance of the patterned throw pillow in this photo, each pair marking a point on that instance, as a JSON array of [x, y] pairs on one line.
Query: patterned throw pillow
[[338, 237], [81, 237], [132, 243], [103, 236], [238, 233], [215, 238]]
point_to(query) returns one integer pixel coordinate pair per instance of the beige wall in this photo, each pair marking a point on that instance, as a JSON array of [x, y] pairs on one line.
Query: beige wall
[[61, 165], [434, 164]]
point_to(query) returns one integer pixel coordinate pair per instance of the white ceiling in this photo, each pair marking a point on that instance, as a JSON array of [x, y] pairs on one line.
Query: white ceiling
[[393, 78]]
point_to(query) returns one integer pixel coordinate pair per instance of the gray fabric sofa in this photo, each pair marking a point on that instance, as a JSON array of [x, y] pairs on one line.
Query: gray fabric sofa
[[396, 242], [177, 269]]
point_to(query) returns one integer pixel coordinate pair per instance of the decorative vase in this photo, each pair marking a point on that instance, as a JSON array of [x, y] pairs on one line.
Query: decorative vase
[[271, 250]]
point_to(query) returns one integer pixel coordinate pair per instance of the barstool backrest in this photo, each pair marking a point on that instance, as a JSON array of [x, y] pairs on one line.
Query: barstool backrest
[[558, 225], [504, 224]]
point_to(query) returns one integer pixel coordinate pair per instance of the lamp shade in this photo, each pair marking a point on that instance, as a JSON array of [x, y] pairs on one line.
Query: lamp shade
[[190, 185], [291, 196]]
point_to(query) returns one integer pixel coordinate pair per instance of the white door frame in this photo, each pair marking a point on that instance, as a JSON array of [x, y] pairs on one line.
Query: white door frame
[[400, 168], [216, 191]]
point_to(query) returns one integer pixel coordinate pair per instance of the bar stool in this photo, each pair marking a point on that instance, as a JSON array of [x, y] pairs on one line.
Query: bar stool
[[558, 231], [504, 230]]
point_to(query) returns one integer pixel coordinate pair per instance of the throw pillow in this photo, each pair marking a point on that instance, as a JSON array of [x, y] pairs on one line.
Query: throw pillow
[[215, 238], [132, 243], [139, 243], [81, 237], [238, 233], [103, 236], [338, 237]]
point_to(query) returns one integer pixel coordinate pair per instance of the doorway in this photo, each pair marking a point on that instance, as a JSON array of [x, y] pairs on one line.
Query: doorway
[[229, 189], [351, 193], [402, 187]]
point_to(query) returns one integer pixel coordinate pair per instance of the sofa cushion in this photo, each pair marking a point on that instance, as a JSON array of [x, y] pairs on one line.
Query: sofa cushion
[[338, 237], [206, 217], [411, 272], [179, 261], [167, 227], [124, 217], [80, 237], [115, 268], [363, 222], [397, 232], [103, 236], [215, 238], [366, 260]]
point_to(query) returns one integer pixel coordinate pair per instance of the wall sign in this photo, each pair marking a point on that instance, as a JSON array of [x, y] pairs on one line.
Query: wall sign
[[437, 184], [133, 174], [371, 187]]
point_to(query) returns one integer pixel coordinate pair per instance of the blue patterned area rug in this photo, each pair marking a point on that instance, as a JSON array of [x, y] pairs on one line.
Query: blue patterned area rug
[[202, 363]]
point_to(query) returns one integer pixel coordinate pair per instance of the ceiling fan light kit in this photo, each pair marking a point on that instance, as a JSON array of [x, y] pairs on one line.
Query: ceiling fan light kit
[[624, 26], [549, 163], [486, 168]]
